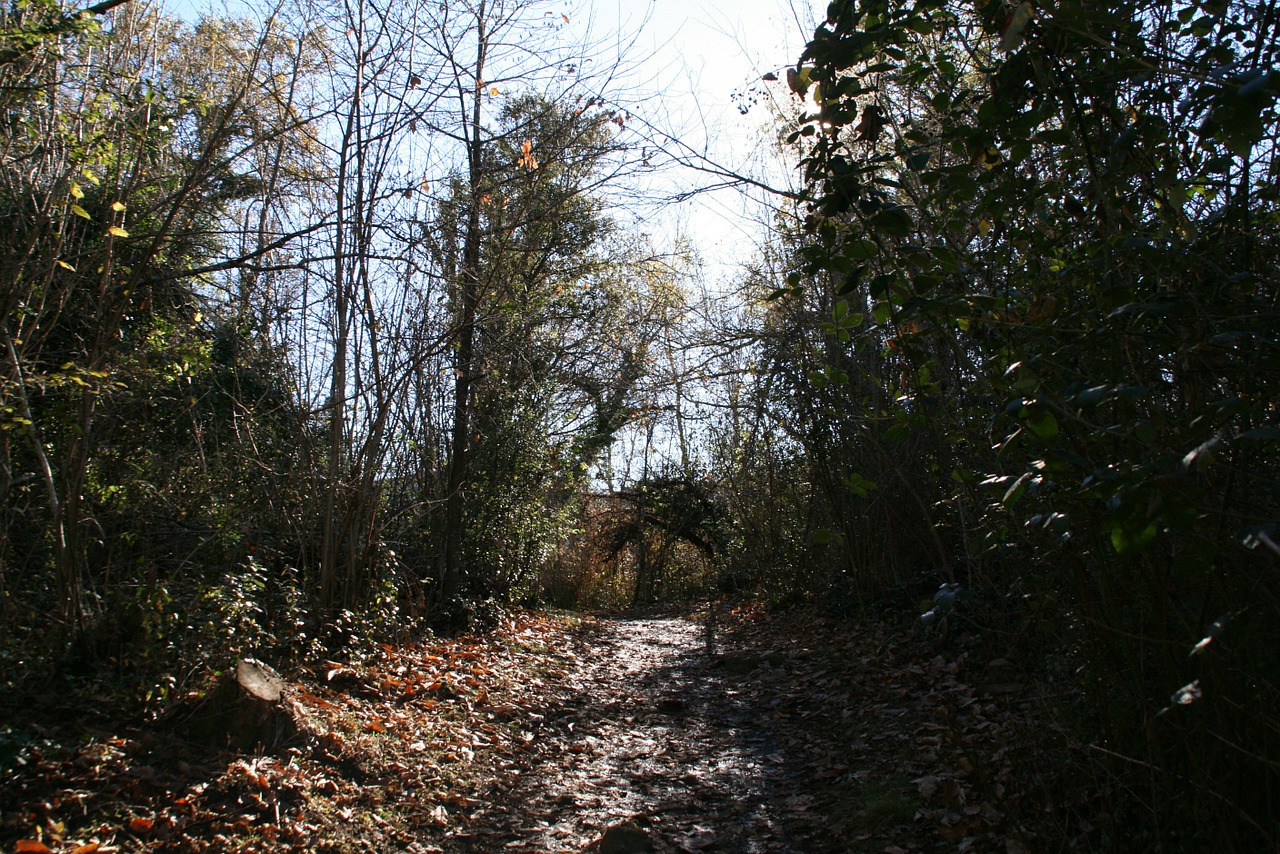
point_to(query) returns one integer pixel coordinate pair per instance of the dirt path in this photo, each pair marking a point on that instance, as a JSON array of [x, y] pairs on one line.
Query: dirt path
[[653, 737], [557, 733]]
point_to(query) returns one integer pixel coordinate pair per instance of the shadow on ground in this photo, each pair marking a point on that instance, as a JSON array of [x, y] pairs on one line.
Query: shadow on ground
[[672, 746]]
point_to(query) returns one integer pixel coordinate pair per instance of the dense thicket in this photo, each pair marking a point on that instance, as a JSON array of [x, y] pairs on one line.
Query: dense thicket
[[310, 325], [1029, 346]]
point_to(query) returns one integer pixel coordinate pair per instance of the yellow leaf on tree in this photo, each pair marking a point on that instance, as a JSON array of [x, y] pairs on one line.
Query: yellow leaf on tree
[[493, 90], [64, 265], [117, 206], [76, 192], [79, 211], [117, 231], [90, 177]]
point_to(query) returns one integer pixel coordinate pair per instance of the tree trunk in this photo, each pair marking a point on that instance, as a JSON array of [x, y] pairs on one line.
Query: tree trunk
[[469, 286], [249, 708]]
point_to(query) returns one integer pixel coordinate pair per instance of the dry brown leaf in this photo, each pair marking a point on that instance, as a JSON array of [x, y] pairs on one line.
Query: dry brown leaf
[[32, 846]]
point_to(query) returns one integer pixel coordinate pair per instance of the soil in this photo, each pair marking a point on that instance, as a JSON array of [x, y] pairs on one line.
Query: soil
[[655, 732], [636, 732]]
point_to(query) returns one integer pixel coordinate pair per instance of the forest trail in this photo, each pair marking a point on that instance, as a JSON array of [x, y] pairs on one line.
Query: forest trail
[[653, 744], [617, 734]]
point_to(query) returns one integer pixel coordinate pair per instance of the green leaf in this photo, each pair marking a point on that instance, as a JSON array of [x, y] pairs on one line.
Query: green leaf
[[1013, 493], [859, 485], [1132, 537], [894, 221], [826, 536], [1203, 454], [918, 161], [861, 250], [897, 432], [1044, 428]]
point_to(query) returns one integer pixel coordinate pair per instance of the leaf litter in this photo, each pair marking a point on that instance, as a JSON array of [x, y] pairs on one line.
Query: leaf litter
[[794, 733]]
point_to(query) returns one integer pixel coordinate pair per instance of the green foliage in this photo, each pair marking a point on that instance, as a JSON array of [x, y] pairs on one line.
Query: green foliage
[[146, 429], [1057, 227], [555, 354]]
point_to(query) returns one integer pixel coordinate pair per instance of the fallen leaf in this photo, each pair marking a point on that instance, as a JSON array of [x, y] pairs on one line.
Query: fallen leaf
[[927, 786]]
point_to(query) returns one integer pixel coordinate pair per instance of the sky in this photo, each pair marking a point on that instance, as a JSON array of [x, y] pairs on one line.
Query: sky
[[696, 59], [707, 56]]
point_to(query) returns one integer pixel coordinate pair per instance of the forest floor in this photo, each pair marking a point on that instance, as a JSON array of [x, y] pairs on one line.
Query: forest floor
[[777, 732]]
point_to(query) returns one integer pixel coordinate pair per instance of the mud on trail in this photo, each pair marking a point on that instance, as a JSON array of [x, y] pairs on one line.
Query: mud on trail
[[618, 735]]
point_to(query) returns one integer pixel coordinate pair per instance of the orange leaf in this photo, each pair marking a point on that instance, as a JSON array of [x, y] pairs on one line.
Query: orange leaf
[[32, 846], [141, 825], [376, 726], [566, 18], [87, 848]]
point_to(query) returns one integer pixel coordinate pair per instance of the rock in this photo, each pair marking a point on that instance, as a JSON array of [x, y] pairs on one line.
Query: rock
[[625, 838]]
